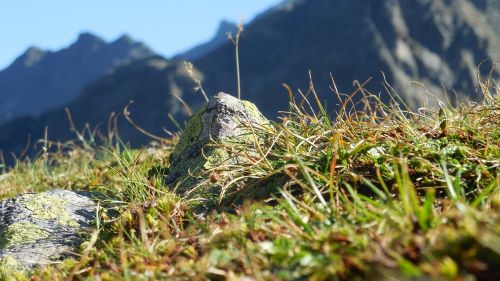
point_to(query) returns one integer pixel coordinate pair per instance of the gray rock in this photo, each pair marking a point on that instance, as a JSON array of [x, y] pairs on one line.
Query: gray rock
[[37, 229], [215, 139]]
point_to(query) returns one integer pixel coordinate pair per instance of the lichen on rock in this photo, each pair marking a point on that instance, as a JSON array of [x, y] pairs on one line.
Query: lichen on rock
[[191, 133], [21, 232], [214, 140], [36, 229], [47, 207]]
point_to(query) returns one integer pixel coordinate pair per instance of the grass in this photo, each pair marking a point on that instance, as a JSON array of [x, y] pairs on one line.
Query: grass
[[377, 193]]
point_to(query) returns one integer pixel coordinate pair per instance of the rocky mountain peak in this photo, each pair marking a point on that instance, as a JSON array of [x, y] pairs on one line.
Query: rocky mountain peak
[[124, 39], [30, 57], [88, 40]]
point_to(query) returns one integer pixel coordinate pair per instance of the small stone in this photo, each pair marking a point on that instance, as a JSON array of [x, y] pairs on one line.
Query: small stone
[[214, 140], [37, 229]]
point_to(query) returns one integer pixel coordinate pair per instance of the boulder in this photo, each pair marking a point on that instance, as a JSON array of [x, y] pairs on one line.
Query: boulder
[[217, 139], [37, 229]]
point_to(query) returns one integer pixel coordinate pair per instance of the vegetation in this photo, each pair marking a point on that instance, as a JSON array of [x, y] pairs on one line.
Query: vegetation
[[378, 192]]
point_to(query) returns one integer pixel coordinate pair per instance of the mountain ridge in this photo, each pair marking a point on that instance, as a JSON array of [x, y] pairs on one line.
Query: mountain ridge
[[40, 80], [219, 38]]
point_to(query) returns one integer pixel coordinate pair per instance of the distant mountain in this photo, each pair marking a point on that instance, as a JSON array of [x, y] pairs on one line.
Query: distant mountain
[[437, 42], [41, 80], [219, 39], [148, 82]]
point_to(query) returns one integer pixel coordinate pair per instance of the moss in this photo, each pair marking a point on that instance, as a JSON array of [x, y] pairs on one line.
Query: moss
[[21, 232], [191, 133], [187, 180], [47, 207], [253, 110], [215, 158], [8, 266]]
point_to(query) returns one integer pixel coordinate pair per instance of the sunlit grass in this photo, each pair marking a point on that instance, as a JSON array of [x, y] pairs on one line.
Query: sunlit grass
[[376, 192]]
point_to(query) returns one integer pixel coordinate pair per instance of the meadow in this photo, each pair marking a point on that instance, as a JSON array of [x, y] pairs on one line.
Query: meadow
[[372, 192]]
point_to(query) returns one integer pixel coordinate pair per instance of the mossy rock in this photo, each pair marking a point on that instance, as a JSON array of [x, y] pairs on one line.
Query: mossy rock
[[40, 228], [214, 139]]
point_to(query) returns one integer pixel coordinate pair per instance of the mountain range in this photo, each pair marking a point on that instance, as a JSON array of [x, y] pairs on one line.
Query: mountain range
[[437, 42], [41, 80]]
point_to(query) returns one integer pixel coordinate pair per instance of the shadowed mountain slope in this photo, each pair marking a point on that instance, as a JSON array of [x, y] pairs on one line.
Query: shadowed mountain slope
[[439, 43], [147, 82]]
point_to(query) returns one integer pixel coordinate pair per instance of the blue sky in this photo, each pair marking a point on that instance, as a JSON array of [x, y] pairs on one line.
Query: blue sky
[[167, 26]]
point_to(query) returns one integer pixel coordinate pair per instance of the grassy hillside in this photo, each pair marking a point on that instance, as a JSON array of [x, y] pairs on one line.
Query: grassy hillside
[[376, 193]]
